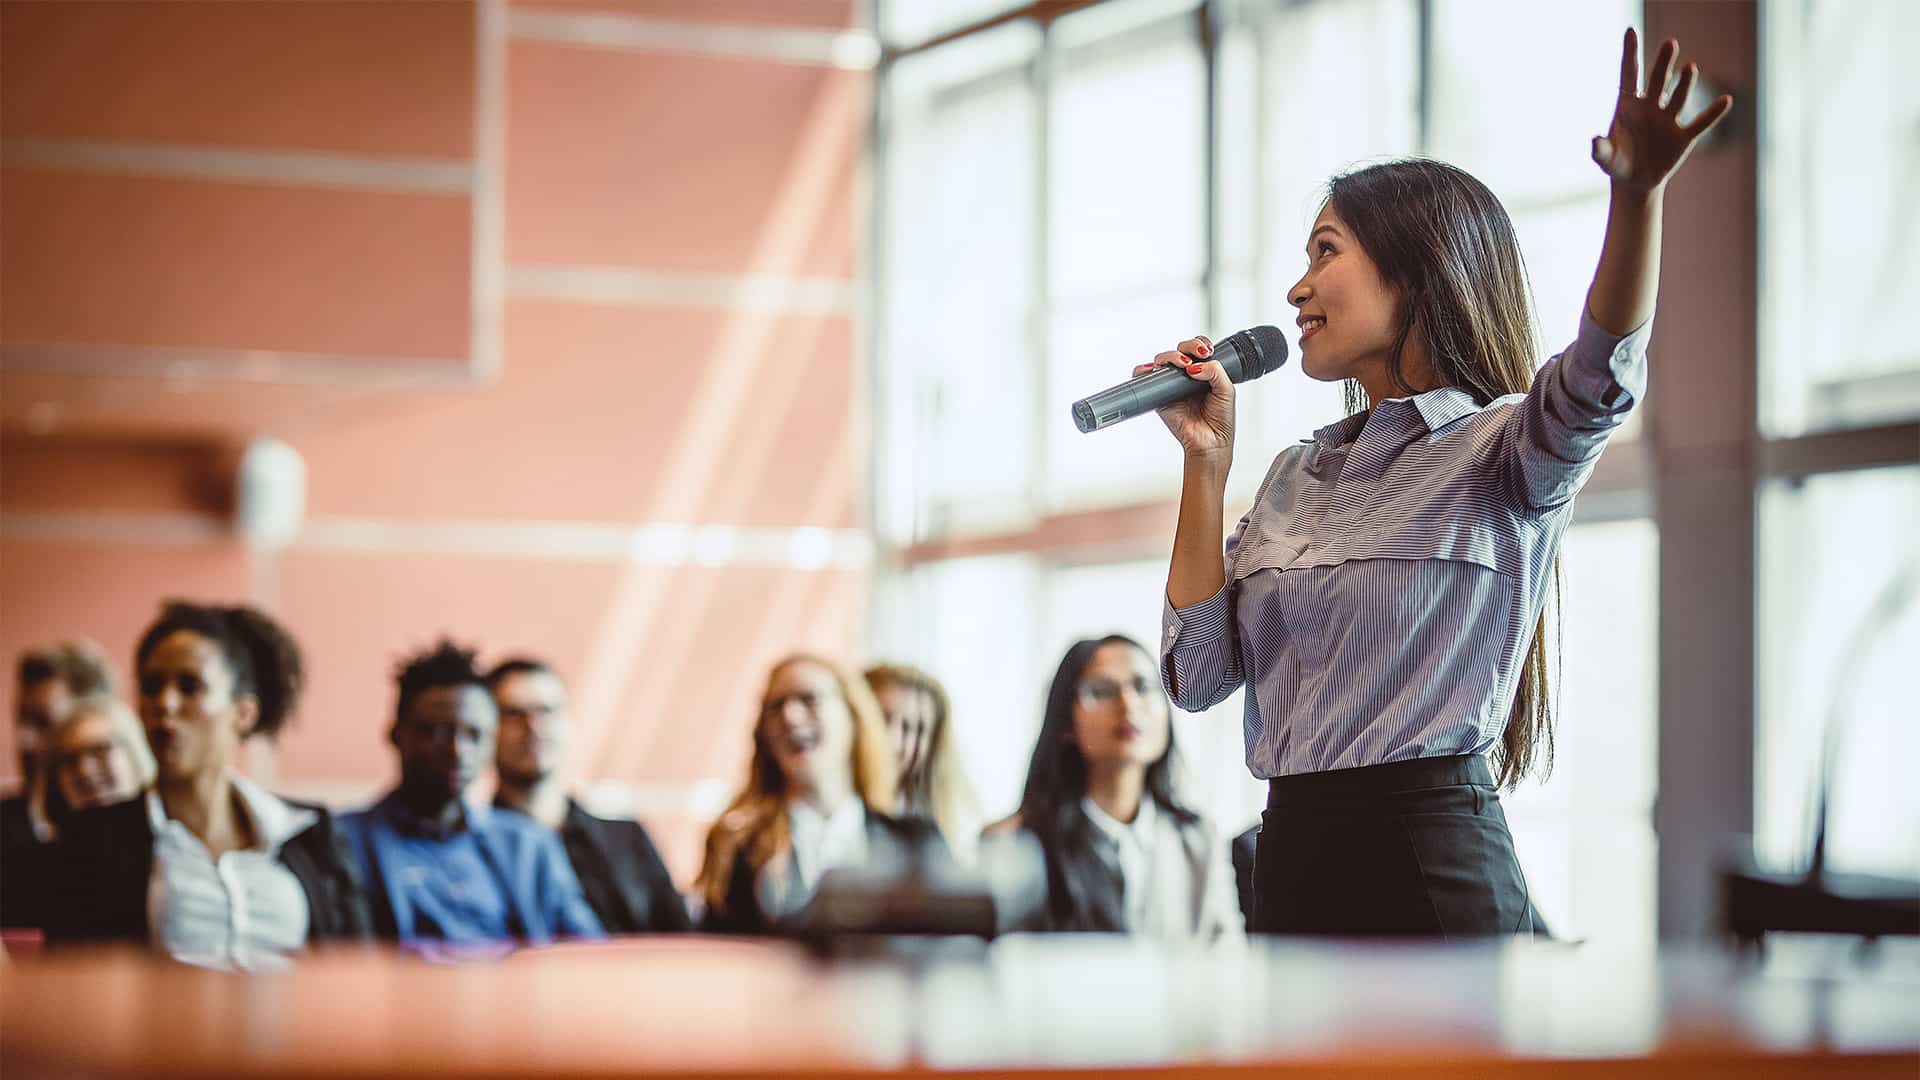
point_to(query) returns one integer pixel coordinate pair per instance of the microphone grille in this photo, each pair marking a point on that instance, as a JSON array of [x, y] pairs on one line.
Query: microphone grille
[[1264, 349]]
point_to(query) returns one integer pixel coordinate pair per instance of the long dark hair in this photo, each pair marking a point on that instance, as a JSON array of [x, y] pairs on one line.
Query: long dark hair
[[1083, 891], [1445, 246]]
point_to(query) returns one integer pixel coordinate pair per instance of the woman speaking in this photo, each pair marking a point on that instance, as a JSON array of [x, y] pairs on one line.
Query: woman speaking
[[1383, 600]]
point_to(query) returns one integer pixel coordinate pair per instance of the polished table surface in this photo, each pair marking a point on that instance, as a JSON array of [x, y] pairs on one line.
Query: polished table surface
[[1057, 1005]]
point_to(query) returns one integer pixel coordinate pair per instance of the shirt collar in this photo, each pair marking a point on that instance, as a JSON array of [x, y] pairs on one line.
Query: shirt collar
[[1118, 831], [1436, 408], [402, 817], [805, 817], [273, 820]]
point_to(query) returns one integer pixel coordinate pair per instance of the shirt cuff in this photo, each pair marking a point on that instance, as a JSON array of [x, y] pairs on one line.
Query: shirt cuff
[[1194, 623], [1605, 369]]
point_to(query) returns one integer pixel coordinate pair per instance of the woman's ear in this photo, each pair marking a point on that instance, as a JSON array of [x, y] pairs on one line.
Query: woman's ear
[[246, 716]]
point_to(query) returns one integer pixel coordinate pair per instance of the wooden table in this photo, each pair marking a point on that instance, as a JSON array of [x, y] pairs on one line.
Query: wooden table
[[1055, 1006]]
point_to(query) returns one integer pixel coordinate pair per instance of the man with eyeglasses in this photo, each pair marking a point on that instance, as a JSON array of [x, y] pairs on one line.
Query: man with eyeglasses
[[620, 871]]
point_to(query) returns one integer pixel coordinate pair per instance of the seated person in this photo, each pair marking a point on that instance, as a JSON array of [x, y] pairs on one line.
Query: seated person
[[438, 868], [819, 791], [620, 871], [208, 866], [932, 785], [1122, 852], [48, 681], [97, 756]]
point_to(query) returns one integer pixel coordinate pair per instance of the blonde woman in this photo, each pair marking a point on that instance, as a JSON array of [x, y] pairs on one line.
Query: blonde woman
[[819, 795], [919, 719]]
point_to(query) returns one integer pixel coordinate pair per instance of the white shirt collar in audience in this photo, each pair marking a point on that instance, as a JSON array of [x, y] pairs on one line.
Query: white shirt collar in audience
[[1147, 863], [244, 910], [819, 843], [822, 842]]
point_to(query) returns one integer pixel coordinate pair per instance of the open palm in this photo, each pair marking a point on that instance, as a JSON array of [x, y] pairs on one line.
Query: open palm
[[1646, 142]]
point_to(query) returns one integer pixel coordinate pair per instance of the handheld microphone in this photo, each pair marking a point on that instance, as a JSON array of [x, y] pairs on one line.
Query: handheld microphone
[[1246, 355]]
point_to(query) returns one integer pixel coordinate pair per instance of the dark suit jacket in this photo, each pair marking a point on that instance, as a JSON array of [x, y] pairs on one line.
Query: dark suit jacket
[[22, 882], [97, 876], [742, 914], [621, 872]]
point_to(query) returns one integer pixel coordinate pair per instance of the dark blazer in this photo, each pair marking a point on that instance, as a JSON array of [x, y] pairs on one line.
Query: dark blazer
[[742, 914], [621, 872], [22, 882], [97, 876]]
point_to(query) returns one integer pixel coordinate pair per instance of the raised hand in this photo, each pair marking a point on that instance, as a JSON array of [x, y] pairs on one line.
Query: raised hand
[[1646, 143]]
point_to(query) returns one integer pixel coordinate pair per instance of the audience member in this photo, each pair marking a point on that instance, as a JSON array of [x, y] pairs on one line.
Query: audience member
[[209, 867], [932, 784], [48, 681], [620, 871], [98, 756], [1122, 852], [819, 792], [438, 868]]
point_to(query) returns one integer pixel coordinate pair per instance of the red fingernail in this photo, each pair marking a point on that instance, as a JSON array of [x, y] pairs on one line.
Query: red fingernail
[[1206, 350], [1193, 369]]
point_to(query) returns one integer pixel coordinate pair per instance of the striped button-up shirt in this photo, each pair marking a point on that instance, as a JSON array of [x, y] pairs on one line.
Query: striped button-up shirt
[[1382, 593]]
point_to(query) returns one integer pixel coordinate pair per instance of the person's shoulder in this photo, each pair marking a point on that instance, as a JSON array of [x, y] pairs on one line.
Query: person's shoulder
[[505, 822], [617, 827], [128, 815], [577, 811], [1006, 826], [904, 826]]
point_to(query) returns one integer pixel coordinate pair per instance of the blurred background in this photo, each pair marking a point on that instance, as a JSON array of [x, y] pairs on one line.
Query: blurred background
[[663, 337]]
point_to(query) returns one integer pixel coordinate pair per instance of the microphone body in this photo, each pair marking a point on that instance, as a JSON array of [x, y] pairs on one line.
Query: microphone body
[[1246, 355]]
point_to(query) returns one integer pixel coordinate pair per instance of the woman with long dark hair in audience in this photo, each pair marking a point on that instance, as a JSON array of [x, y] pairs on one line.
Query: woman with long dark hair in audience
[[933, 786], [208, 866], [819, 794], [1122, 851]]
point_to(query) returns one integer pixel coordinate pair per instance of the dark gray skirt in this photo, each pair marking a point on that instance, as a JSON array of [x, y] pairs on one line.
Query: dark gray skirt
[[1412, 848]]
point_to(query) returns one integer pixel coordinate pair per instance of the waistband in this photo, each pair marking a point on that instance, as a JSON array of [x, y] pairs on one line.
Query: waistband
[[1379, 781]]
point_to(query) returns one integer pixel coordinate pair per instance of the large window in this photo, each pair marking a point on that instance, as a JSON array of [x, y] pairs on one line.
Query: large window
[[1841, 238], [1585, 836], [1155, 165], [1840, 628]]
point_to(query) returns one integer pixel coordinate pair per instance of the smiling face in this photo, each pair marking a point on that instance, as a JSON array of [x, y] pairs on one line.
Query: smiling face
[[806, 724], [91, 765], [1348, 315], [1120, 717]]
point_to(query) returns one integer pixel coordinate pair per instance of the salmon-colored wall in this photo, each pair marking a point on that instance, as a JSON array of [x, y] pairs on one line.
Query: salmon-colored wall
[[610, 411]]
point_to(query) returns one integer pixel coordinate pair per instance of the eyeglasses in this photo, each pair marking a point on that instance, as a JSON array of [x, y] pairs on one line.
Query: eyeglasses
[[1101, 691], [808, 700]]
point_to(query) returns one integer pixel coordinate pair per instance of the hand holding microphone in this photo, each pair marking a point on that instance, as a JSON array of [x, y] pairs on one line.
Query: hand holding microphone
[[1191, 388]]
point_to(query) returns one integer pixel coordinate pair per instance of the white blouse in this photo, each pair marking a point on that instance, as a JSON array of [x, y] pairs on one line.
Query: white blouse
[[245, 910], [821, 842], [1176, 886]]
